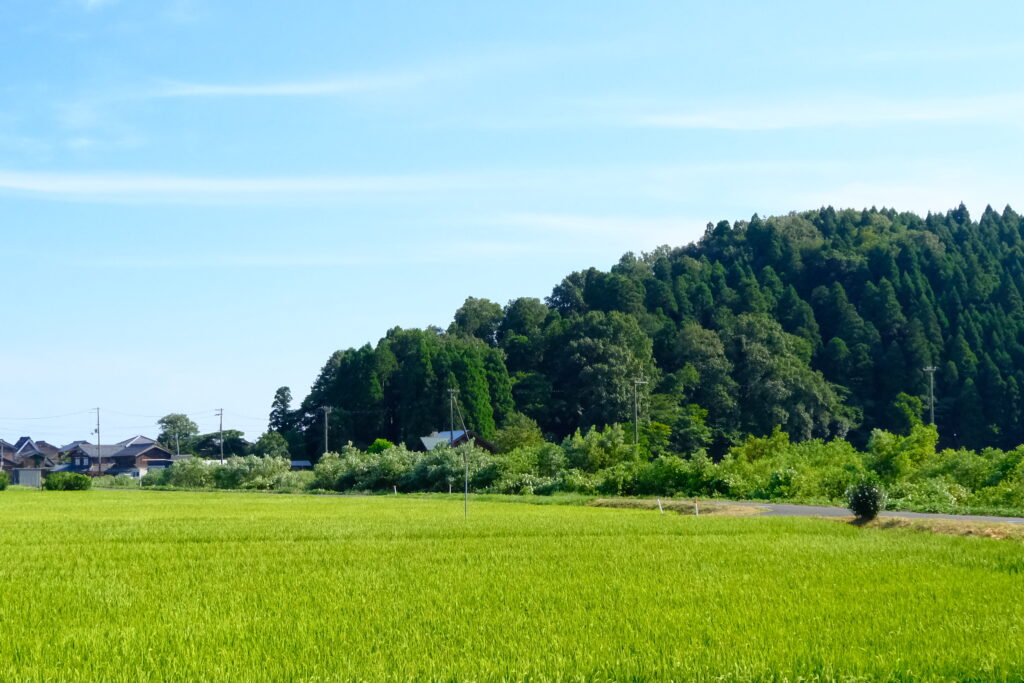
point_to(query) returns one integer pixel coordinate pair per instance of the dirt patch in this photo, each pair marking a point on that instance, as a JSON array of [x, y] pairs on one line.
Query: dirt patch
[[950, 527], [682, 507]]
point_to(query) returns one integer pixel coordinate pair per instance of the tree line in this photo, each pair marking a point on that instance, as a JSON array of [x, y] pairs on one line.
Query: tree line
[[819, 323]]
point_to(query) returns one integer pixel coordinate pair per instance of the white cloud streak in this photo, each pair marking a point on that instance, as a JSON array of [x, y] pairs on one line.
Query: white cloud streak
[[650, 230], [840, 112], [312, 88], [113, 186]]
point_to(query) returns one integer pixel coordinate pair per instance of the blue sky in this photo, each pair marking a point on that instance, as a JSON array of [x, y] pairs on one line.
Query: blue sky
[[202, 200]]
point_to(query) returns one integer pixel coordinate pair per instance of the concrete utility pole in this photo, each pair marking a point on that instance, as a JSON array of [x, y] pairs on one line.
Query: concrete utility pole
[[327, 411], [99, 445], [451, 416], [220, 413], [636, 409], [931, 389]]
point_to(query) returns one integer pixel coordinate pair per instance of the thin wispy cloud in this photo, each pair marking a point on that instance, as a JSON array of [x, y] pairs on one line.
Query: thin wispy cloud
[[651, 230], [113, 186], [298, 88], [410, 76], [839, 112], [410, 255]]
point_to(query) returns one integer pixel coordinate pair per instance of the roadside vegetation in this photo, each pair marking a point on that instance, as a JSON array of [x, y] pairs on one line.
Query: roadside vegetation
[[907, 470]]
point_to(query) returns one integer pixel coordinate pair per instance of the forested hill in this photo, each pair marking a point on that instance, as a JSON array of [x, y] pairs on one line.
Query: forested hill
[[821, 322]]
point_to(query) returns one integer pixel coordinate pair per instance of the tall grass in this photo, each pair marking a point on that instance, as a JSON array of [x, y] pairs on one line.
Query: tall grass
[[129, 585]]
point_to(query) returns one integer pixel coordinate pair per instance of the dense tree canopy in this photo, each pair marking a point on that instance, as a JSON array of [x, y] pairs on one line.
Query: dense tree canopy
[[820, 323]]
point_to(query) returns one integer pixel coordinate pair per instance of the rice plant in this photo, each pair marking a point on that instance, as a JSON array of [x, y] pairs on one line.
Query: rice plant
[[140, 585]]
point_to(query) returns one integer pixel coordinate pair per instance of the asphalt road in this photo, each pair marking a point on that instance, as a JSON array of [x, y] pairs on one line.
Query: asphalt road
[[791, 510]]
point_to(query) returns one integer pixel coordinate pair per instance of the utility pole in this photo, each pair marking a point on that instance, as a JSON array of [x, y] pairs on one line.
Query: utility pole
[[99, 445], [220, 413], [327, 411], [931, 390], [636, 410], [177, 446], [452, 393], [451, 416]]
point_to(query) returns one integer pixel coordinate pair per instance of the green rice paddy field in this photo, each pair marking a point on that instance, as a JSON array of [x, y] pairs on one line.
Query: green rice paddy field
[[137, 585]]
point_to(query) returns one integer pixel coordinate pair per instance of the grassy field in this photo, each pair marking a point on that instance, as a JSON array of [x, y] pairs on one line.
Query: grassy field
[[130, 585]]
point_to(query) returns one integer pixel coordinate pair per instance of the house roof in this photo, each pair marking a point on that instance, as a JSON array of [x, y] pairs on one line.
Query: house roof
[[69, 467], [47, 448], [436, 438], [128, 448], [26, 446], [136, 440]]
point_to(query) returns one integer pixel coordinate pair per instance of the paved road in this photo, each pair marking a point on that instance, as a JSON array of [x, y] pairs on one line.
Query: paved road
[[791, 510]]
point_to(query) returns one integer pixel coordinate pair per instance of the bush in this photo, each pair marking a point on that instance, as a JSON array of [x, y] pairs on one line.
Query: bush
[[250, 472], [190, 473], [570, 481], [293, 482], [379, 446], [156, 477], [67, 481], [5, 479], [119, 482], [865, 499]]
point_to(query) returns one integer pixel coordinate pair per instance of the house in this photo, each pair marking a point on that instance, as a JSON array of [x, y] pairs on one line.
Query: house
[[26, 452], [456, 438], [7, 456], [133, 457]]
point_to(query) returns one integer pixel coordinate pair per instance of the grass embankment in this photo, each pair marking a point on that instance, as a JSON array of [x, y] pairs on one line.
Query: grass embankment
[[117, 585]]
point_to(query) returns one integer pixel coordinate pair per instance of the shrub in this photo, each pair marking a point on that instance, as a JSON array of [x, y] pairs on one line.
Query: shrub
[[1007, 494], [379, 446], [598, 449], [437, 470], [327, 471], [570, 481], [667, 475], [521, 484], [866, 499], [250, 472], [5, 479], [190, 473], [118, 482], [293, 482], [67, 481], [156, 477]]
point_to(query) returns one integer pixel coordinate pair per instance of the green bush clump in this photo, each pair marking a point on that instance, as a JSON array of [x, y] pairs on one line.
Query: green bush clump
[[5, 479], [866, 499], [67, 481], [119, 482], [293, 482], [250, 472]]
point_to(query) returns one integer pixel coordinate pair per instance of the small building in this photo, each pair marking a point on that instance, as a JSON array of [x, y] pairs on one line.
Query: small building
[[28, 476], [132, 457], [300, 465]]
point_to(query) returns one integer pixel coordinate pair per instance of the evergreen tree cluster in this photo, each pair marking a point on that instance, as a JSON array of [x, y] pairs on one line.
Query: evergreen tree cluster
[[820, 323]]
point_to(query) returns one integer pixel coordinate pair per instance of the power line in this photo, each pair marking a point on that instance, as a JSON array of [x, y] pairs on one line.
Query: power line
[[48, 417]]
